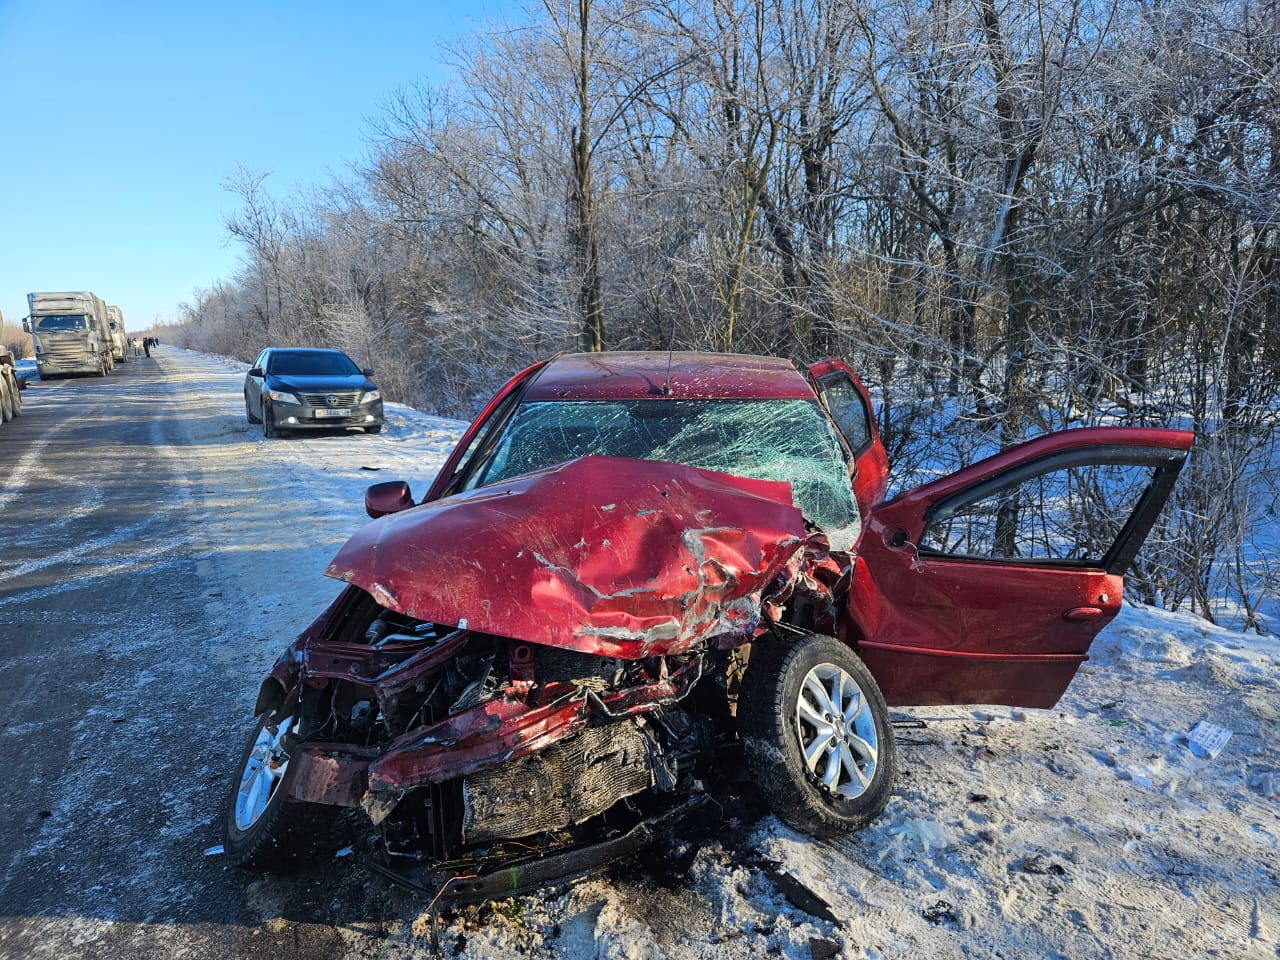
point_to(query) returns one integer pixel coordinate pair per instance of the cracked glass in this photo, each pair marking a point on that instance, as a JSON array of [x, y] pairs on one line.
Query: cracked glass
[[789, 440]]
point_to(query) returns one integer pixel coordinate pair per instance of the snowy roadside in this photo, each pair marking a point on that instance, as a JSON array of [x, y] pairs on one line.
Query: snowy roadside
[[276, 511], [1088, 830]]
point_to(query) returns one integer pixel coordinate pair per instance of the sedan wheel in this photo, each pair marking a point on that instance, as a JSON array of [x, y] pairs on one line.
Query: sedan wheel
[[815, 729], [268, 424], [248, 411], [261, 828], [262, 772]]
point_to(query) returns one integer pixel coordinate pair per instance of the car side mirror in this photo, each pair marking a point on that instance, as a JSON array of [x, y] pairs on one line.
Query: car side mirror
[[389, 497], [26, 325], [367, 371], [255, 371]]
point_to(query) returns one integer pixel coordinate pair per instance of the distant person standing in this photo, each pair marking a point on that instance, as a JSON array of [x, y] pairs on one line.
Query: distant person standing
[[137, 346], [146, 345]]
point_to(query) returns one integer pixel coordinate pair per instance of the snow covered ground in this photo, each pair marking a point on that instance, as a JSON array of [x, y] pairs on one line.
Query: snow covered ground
[[1090, 830]]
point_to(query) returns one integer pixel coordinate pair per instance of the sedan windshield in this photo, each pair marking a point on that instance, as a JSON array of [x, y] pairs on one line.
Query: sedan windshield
[[66, 322], [787, 440], [312, 363]]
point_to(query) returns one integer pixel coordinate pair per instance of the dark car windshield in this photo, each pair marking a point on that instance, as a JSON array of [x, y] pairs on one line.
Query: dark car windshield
[[789, 440], [311, 363], [74, 321]]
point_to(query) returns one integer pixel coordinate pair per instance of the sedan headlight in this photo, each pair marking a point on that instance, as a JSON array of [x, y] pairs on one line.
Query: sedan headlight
[[279, 396], [371, 395]]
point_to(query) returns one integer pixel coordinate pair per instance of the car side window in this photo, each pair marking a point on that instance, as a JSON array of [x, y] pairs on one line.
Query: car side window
[[1074, 514], [847, 409]]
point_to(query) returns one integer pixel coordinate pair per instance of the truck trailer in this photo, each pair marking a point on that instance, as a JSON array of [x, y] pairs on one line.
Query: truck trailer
[[71, 334]]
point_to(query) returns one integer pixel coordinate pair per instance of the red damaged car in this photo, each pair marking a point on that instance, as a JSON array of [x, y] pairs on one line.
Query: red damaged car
[[636, 563]]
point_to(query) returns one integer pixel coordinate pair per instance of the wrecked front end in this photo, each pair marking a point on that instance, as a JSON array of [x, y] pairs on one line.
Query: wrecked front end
[[525, 683]]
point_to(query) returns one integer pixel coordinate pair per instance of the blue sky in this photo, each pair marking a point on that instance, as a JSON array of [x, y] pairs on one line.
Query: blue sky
[[122, 120]]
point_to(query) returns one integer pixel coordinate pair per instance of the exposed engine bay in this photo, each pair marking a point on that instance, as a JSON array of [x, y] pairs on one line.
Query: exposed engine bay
[[472, 752]]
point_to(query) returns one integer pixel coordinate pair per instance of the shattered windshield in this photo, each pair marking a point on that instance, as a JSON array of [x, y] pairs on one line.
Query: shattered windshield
[[787, 440]]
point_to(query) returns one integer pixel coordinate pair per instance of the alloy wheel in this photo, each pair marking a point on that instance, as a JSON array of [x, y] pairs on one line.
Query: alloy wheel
[[263, 771], [836, 731]]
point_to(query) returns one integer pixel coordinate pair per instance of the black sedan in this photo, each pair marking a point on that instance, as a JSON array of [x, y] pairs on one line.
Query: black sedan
[[306, 388]]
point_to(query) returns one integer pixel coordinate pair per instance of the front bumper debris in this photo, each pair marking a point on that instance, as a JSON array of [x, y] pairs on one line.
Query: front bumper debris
[[495, 879]]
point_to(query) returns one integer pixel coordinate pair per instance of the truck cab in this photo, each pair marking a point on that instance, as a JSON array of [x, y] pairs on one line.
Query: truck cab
[[71, 334], [119, 339]]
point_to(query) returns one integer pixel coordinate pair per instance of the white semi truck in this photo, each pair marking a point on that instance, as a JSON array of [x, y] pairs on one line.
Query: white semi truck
[[10, 385], [119, 339], [71, 334]]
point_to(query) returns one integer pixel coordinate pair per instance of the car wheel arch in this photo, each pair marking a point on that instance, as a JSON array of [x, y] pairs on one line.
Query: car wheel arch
[[271, 696]]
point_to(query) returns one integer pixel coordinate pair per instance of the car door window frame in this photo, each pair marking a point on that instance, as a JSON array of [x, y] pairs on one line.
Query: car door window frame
[[483, 433], [1165, 464], [481, 447], [841, 378]]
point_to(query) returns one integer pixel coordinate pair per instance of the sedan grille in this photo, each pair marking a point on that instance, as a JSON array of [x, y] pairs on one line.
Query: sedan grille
[[331, 399]]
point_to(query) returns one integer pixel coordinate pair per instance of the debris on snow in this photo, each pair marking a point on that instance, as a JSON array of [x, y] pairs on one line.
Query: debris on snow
[[1207, 740], [927, 833], [800, 896], [941, 911], [1039, 863], [1138, 776]]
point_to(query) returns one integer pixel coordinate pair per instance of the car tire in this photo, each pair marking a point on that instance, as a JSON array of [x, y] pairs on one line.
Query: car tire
[[6, 400], [261, 829], [15, 397], [377, 428], [791, 697], [248, 412], [268, 424]]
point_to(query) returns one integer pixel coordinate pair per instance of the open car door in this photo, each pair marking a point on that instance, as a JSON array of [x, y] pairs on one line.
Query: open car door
[[988, 586]]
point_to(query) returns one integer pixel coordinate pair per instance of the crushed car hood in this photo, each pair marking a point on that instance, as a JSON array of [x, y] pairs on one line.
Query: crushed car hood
[[610, 556]]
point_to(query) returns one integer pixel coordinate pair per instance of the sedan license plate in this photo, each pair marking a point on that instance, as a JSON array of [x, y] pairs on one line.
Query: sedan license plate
[[330, 412]]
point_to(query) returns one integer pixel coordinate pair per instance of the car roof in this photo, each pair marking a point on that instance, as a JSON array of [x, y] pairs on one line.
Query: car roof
[[624, 375]]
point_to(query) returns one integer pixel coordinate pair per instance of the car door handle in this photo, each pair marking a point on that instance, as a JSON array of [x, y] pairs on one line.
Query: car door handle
[[1081, 614]]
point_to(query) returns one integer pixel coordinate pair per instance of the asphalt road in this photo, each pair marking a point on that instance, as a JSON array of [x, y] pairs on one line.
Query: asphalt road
[[122, 711]]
